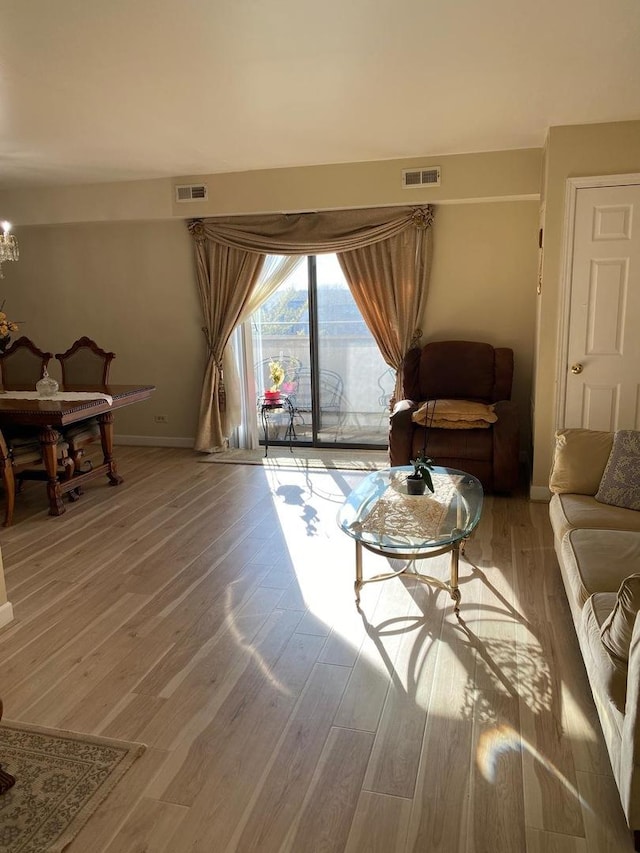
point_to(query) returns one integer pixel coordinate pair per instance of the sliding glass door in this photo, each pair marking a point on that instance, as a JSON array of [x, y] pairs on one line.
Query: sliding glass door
[[334, 374]]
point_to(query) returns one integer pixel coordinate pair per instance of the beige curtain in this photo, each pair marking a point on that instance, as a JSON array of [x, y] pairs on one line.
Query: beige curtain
[[227, 278], [389, 282], [275, 270], [310, 233]]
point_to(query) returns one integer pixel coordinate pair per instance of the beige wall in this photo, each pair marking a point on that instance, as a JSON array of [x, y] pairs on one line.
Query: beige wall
[[483, 284], [131, 288], [576, 151], [465, 177], [130, 284]]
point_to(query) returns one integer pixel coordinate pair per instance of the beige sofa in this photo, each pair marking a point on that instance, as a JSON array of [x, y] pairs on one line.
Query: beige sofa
[[598, 548]]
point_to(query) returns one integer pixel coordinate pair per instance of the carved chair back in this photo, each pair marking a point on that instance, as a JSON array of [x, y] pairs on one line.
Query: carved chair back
[[85, 363], [22, 365]]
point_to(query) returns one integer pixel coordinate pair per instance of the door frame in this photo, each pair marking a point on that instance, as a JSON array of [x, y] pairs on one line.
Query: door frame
[[566, 271]]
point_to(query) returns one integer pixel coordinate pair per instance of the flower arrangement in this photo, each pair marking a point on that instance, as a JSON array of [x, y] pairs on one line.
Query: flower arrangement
[[6, 327], [276, 372]]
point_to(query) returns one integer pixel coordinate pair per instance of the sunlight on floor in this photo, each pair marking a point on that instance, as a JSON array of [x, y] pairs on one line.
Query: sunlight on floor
[[322, 557], [503, 740]]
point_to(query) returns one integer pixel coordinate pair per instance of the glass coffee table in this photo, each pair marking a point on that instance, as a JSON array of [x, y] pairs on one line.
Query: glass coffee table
[[383, 518]]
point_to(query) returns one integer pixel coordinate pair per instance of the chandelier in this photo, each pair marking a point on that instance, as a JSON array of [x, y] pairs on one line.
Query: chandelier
[[8, 246]]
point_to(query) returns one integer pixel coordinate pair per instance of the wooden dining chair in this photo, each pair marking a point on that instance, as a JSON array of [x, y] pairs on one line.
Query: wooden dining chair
[[28, 456], [22, 365], [84, 365], [19, 460]]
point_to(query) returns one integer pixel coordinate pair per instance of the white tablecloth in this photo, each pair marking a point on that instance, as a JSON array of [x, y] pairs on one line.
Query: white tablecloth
[[59, 396]]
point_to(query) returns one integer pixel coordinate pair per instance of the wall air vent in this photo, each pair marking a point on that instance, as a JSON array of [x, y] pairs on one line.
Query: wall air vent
[[429, 176], [191, 192]]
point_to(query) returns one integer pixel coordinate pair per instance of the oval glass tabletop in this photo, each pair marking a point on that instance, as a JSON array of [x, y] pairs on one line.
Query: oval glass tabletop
[[380, 513]]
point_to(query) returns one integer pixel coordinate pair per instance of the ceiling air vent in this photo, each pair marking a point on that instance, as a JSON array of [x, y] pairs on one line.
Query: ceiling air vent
[[426, 177], [191, 192]]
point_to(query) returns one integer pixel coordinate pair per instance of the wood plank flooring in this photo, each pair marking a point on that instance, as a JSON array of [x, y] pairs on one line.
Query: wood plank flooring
[[208, 612]]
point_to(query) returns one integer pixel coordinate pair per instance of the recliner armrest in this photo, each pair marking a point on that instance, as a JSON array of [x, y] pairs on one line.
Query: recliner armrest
[[506, 446], [401, 432]]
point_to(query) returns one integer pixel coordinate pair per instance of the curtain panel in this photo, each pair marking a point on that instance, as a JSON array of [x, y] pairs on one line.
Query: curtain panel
[[384, 252], [226, 278], [275, 271], [389, 282]]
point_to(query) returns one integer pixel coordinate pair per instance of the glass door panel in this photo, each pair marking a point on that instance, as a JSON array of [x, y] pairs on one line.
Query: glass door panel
[[334, 373], [354, 382], [280, 331]]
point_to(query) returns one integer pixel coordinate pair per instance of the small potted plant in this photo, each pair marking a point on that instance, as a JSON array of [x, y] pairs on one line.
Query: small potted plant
[[421, 477], [276, 372]]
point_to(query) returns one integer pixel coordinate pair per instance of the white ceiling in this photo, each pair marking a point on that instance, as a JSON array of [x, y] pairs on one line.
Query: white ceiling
[[132, 89]]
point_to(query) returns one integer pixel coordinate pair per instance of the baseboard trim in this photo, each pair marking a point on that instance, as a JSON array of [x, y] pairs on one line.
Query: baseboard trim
[[539, 493], [6, 613], [154, 441]]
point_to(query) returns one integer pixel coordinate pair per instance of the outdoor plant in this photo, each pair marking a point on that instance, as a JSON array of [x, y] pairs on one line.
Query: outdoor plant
[[276, 372], [422, 467]]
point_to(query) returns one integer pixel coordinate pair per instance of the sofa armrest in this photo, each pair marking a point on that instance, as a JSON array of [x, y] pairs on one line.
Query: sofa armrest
[[401, 432], [506, 447], [629, 774]]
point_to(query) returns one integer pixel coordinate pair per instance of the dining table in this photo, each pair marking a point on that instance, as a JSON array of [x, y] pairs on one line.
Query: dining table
[[66, 407]]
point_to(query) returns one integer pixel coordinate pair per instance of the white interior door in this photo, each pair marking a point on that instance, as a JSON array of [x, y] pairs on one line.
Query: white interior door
[[603, 363]]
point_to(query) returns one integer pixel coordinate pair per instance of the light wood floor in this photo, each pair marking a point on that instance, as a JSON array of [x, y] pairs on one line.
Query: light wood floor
[[207, 611]]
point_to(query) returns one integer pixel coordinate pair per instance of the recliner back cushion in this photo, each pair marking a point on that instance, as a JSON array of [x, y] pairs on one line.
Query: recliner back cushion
[[464, 370], [457, 369]]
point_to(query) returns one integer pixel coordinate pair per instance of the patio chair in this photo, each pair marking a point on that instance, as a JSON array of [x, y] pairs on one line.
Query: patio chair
[[333, 405]]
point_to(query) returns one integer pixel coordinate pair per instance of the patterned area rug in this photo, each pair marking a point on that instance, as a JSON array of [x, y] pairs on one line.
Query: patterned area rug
[[61, 778], [304, 457]]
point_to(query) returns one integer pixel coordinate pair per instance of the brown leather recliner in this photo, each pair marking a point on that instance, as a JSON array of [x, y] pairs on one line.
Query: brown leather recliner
[[460, 370]]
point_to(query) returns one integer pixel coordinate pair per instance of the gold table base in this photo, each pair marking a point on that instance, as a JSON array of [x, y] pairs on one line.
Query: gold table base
[[451, 586]]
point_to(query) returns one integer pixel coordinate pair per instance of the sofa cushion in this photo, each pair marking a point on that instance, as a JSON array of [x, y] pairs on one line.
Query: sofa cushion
[[618, 628], [569, 511], [606, 671], [620, 484], [599, 560], [579, 461]]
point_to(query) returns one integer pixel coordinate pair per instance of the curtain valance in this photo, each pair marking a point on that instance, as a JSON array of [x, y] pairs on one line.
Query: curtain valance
[[311, 233]]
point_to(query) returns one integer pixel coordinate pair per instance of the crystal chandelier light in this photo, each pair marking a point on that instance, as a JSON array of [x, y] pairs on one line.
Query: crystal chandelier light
[[8, 246]]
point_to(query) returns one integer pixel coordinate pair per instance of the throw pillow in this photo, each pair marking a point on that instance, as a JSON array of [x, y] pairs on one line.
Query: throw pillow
[[580, 459], [445, 424], [455, 411], [620, 484], [617, 628]]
